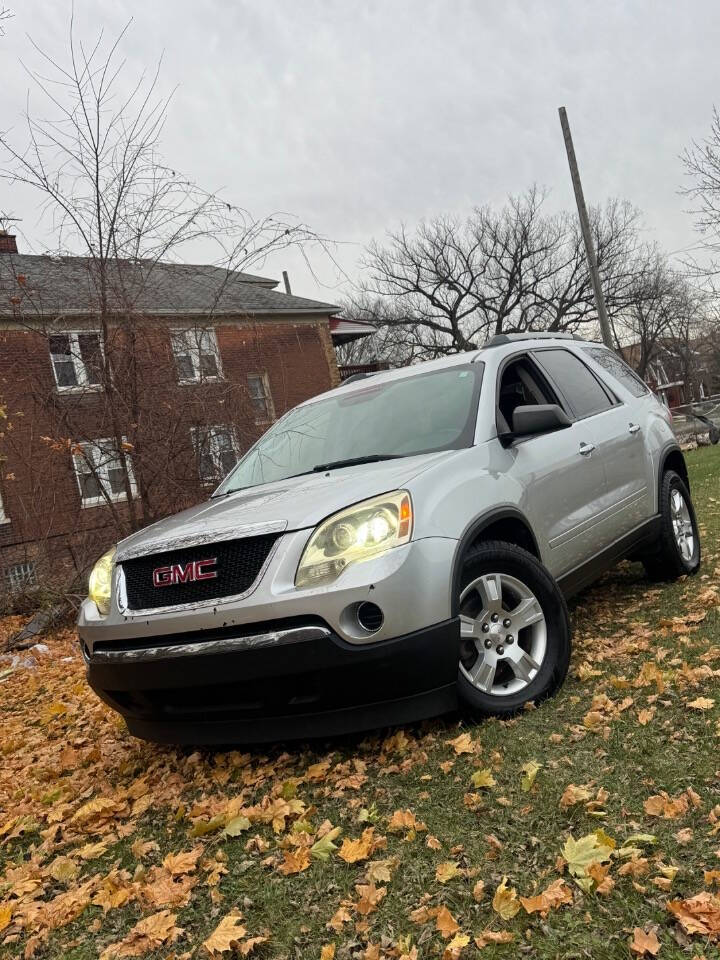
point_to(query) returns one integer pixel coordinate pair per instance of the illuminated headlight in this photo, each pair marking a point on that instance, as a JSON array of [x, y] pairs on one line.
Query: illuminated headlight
[[100, 582], [358, 533]]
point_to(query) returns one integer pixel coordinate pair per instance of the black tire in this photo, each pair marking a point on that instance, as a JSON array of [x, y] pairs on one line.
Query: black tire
[[506, 558], [665, 561]]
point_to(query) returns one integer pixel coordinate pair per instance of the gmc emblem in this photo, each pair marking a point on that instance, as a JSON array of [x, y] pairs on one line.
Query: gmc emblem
[[187, 573]]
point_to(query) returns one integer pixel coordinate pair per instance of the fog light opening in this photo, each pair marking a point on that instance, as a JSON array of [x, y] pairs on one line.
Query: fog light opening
[[370, 617]]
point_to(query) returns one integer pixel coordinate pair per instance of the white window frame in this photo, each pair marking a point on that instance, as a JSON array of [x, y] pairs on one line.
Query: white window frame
[[82, 385], [102, 474], [4, 518], [211, 431], [265, 380], [27, 575], [192, 348]]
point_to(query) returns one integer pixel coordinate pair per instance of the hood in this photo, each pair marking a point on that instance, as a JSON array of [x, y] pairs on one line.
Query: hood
[[292, 504]]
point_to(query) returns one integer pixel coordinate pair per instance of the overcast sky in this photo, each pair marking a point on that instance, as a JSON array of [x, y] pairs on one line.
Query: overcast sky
[[355, 116]]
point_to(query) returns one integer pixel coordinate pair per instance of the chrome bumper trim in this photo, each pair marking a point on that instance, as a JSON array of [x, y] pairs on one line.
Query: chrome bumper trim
[[207, 647]]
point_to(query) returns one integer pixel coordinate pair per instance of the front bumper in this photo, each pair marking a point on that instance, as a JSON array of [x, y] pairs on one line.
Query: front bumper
[[282, 680]]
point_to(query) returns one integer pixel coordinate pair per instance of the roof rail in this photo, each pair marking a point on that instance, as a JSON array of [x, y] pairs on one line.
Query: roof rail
[[357, 376], [502, 338]]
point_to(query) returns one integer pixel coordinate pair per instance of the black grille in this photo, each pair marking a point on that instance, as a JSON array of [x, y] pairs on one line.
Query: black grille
[[237, 564]]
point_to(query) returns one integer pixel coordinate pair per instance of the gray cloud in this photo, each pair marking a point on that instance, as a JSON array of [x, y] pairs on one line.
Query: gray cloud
[[354, 116]]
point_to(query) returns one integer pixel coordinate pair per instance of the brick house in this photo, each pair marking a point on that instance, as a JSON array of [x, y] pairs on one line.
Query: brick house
[[113, 417]]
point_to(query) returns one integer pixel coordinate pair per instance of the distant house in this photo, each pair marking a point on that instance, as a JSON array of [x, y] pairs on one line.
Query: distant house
[[113, 417], [680, 372]]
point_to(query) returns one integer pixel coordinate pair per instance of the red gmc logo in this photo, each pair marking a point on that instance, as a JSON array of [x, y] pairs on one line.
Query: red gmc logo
[[187, 573]]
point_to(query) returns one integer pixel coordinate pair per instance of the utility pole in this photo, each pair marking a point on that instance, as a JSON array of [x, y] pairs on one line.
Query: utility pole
[[585, 227]]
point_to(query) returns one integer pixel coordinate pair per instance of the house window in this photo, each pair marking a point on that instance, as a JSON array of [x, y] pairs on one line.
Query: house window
[[216, 452], [260, 397], [197, 356], [20, 575], [4, 518], [100, 473], [76, 361]]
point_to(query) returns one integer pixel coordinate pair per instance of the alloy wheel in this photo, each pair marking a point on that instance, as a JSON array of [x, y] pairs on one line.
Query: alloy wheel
[[503, 634], [682, 525]]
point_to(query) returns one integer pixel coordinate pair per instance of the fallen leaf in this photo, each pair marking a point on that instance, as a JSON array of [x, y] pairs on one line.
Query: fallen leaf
[[446, 871], [493, 936], [530, 771], [327, 952], [179, 863], [505, 901], [370, 897], [462, 744], [226, 935], [295, 861], [702, 703], [353, 851], [644, 944], [483, 778], [148, 934], [669, 808], [557, 894], [698, 914], [446, 923]]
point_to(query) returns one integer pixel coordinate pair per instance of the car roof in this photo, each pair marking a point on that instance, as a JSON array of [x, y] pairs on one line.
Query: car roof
[[497, 347]]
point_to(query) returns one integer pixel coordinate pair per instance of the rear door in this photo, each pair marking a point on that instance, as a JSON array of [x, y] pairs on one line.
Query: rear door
[[616, 439], [563, 480]]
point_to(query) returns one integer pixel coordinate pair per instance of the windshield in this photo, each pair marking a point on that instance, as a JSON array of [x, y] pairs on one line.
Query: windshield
[[422, 413]]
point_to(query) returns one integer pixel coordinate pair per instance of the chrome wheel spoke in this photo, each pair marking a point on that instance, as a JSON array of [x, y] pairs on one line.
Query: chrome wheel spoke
[[492, 584], [483, 674], [523, 665], [470, 628], [525, 614]]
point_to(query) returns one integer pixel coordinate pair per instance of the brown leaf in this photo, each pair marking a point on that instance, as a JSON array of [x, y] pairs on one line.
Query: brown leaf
[[557, 894], [669, 808], [370, 897], [493, 936], [148, 934], [446, 923], [295, 861], [644, 944], [698, 914], [327, 951], [179, 863], [462, 744], [353, 851]]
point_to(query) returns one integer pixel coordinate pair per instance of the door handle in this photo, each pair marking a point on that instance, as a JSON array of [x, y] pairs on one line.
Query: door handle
[[586, 449], [633, 428]]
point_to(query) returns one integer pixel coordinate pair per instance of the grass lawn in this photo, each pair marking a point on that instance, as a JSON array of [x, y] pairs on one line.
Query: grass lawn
[[441, 840]]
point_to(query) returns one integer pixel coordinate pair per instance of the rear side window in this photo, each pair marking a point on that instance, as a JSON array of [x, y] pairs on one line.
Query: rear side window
[[619, 369], [576, 382]]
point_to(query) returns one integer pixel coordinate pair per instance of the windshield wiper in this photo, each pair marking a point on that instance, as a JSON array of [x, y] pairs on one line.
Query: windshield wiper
[[353, 461]]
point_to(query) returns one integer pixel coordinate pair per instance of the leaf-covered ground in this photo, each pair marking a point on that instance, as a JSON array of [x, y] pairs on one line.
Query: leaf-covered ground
[[589, 827]]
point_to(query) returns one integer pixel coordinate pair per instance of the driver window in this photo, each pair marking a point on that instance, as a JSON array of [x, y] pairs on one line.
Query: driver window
[[520, 385]]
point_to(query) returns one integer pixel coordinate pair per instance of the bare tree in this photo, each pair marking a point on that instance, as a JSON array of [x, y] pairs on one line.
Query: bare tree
[[91, 152], [5, 15], [453, 283], [702, 168]]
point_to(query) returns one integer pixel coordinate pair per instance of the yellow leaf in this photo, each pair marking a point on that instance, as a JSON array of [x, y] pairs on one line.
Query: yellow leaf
[[580, 854], [644, 944], [353, 851], [380, 871], [404, 820], [446, 871], [226, 935], [505, 901], [530, 771], [456, 946], [179, 863], [327, 952], [6, 912], [63, 869], [446, 923], [483, 778]]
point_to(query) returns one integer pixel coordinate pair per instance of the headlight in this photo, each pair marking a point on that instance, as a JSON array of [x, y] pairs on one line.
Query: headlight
[[358, 533], [101, 580]]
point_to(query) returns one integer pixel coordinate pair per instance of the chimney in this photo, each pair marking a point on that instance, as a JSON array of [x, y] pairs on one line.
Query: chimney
[[7, 242], [286, 281]]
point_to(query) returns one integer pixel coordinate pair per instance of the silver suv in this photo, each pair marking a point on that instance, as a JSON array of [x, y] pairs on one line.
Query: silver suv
[[398, 547]]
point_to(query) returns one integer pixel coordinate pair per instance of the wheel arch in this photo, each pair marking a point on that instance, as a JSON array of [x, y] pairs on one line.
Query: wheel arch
[[671, 458], [508, 524]]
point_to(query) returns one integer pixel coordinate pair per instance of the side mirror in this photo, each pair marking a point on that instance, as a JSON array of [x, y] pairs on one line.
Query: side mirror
[[535, 419]]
